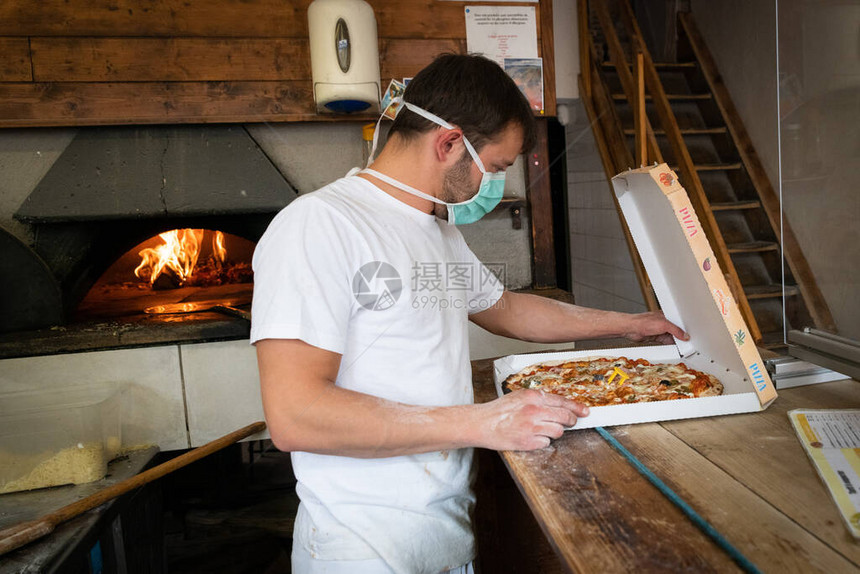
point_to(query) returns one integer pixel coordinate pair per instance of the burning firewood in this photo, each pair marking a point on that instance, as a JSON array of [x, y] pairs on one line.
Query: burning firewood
[[167, 279]]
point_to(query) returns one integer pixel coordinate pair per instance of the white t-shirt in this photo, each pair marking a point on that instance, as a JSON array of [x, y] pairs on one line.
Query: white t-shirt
[[353, 270]]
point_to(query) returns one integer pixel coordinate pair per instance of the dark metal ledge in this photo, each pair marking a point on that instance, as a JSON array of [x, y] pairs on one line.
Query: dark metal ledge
[[124, 333]]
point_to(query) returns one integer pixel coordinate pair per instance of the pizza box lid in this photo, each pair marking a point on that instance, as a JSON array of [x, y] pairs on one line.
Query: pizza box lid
[[685, 274], [693, 294]]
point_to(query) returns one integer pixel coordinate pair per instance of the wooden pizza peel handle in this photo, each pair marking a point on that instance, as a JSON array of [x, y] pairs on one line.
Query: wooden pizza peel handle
[[26, 532]]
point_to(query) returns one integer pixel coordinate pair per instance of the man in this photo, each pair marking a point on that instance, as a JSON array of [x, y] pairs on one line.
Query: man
[[362, 340]]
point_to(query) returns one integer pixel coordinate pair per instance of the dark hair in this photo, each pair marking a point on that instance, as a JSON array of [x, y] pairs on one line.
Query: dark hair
[[471, 92]]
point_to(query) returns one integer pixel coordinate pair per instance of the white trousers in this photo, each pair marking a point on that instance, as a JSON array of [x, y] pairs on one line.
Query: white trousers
[[304, 563]]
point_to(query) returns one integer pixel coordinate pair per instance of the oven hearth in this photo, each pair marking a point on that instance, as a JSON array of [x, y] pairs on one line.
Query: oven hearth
[[175, 267], [113, 193]]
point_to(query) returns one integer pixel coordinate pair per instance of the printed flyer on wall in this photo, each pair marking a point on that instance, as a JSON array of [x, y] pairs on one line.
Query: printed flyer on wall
[[831, 438]]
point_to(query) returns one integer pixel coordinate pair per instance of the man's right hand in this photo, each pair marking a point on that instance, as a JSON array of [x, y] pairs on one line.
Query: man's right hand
[[306, 411], [527, 420]]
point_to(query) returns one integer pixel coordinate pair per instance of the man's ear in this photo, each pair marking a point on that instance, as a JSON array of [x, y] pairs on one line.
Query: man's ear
[[447, 144]]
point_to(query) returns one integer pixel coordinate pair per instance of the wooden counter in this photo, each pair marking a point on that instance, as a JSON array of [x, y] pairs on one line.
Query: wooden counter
[[746, 474]]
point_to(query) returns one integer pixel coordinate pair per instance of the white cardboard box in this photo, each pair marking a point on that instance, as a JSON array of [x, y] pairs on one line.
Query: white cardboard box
[[693, 294]]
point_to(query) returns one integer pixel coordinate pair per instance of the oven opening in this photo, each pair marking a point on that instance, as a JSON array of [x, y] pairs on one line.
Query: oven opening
[[175, 276]]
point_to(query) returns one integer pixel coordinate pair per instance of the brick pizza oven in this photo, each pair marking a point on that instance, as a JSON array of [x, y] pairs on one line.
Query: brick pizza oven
[[110, 192]]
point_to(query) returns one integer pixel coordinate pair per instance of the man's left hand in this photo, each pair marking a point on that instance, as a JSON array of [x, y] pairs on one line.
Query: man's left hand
[[654, 327]]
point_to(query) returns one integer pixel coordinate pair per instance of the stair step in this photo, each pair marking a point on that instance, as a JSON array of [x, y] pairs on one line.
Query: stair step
[[773, 341], [659, 65], [753, 247], [735, 205], [685, 132], [712, 166], [670, 97], [768, 291]]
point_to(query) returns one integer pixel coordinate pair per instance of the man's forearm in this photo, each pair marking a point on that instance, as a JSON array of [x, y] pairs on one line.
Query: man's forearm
[[544, 320], [349, 423], [307, 411]]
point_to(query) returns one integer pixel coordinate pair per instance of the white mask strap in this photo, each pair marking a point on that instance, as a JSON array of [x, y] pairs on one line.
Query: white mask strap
[[429, 116], [403, 186], [474, 155], [439, 121], [376, 136]]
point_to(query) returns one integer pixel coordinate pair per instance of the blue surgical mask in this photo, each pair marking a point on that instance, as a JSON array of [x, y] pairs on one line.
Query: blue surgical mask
[[489, 194]]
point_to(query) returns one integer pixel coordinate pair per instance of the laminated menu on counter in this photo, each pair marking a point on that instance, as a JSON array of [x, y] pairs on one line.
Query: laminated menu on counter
[[831, 438]]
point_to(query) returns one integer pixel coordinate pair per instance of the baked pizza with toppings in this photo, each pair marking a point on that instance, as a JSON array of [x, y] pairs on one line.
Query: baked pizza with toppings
[[607, 381]]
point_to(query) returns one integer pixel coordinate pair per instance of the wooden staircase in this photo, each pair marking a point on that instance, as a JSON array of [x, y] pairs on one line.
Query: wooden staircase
[[681, 113]]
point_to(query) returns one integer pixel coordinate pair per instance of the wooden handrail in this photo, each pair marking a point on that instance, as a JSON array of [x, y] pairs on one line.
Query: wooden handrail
[[619, 61], [639, 117], [693, 184], [815, 302], [615, 156], [609, 122]]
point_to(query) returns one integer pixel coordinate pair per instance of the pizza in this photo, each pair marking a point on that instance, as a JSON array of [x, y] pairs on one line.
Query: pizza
[[604, 381]]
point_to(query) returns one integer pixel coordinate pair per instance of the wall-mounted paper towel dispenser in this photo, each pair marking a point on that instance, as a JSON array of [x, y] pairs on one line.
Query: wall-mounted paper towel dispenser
[[344, 56]]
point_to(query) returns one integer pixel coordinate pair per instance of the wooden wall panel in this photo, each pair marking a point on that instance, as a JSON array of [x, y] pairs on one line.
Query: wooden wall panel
[[221, 18], [15, 60], [169, 59], [76, 104], [547, 51], [400, 58], [99, 46], [64, 59], [540, 206], [195, 18]]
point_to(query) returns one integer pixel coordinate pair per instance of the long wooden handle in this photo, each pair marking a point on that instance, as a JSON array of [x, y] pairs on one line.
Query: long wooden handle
[[26, 532]]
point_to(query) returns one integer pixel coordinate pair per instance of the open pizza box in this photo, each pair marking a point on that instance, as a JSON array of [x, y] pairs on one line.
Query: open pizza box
[[693, 294]]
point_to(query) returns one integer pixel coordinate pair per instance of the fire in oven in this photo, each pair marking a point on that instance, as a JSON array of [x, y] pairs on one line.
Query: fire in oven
[[175, 275], [139, 236]]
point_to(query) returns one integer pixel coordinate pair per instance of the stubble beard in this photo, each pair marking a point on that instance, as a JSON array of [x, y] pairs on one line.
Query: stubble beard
[[456, 186]]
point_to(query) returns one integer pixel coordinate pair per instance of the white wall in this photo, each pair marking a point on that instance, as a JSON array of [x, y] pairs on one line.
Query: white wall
[[820, 94], [741, 35], [820, 70], [602, 272], [566, 45]]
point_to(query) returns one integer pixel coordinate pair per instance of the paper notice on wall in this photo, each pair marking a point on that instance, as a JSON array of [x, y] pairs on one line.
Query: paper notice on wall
[[831, 438], [500, 32]]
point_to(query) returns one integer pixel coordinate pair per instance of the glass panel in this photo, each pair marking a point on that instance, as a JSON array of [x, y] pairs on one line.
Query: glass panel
[[819, 112]]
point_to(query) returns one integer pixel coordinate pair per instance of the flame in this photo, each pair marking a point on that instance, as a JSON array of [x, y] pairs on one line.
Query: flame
[[218, 249], [179, 253]]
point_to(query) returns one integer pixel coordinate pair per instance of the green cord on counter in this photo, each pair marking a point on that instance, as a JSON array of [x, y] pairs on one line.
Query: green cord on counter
[[703, 524]]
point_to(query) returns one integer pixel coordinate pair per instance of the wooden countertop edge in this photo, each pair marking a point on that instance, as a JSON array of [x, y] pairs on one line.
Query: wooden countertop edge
[[711, 489], [820, 544]]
